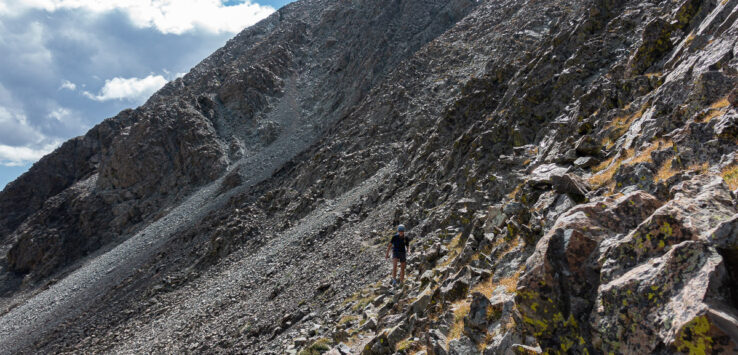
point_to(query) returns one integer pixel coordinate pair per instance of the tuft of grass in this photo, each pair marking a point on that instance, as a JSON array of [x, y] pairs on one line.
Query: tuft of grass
[[665, 172], [361, 303], [488, 287], [606, 170], [454, 249], [605, 175], [510, 283], [404, 344], [730, 175], [347, 319], [716, 109], [460, 309], [645, 155], [621, 124], [608, 143], [515, 190], [318, 347], [603, 165]]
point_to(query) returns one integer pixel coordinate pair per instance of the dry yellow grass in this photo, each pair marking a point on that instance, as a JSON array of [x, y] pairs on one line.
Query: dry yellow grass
[[454, 249], [645, 155], [608, 142], [689, 39], [665, 172], [460, 309], [712, 114], [716, 109], [605, 171], [515, 190], [603, 165], [488, 287], [720, 104], [701, 168], [622, 123], [730, 175]]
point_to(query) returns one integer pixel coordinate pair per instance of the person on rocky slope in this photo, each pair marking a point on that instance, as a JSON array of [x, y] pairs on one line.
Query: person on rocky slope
[[399, 244]]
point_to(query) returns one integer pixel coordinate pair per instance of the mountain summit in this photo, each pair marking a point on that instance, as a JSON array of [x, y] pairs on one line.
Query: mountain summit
[[567, 172]]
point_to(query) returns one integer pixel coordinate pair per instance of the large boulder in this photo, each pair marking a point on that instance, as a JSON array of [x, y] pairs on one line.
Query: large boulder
[[631, 275], [475, 323], [436, 341], [458, 286], [543, 175], [666, 300], [556, 293]]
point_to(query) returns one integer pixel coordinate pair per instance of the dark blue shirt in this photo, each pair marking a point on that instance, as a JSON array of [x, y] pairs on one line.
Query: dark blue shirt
[[399, 244]]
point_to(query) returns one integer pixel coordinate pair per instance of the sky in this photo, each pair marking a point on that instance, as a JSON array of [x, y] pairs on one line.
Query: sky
[[65, 65]]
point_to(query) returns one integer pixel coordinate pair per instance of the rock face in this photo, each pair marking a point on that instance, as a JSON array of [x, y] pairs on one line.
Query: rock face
[[567, 171]]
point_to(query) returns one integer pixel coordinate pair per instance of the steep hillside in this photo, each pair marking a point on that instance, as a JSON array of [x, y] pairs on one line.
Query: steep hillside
[[279, 83], [567, 170]]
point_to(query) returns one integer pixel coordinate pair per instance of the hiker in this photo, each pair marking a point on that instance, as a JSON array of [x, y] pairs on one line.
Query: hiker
[[399, 244]]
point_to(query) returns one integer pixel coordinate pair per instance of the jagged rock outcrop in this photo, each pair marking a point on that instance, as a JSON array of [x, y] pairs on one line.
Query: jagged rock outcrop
[[567, 171]]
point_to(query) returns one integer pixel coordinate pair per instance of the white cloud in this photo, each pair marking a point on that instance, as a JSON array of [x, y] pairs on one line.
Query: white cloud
[[60, 114], [167, 16], [68, 85], [131, 89], [27, 47], [20, 142], [15, 128], [19, 156]]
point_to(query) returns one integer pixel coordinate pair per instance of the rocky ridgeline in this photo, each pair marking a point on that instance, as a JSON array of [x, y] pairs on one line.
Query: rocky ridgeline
[[567, 169]]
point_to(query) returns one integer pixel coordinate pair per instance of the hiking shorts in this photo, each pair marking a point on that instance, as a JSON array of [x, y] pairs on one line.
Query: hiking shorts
[[399, 256]]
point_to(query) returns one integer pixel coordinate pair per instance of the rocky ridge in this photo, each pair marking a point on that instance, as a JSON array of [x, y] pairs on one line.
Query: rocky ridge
[[567, 170]]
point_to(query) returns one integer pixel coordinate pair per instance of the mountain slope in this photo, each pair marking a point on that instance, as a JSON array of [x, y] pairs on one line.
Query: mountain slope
[[566, 168], [242, 99]]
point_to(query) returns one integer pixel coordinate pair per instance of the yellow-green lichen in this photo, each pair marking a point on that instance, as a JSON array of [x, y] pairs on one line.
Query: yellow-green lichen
[[694, 337]]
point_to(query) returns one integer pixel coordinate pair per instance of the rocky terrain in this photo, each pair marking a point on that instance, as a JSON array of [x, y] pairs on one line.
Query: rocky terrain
[[567, 171]]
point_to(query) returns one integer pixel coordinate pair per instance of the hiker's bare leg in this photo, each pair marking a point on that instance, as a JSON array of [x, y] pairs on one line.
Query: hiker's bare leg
[[394, 268], [402, 271]]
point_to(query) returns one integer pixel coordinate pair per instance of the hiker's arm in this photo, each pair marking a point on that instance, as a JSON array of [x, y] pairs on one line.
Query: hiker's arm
[[386, 255]]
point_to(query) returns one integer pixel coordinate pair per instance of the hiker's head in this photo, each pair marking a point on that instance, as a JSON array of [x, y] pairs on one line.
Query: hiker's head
[[401, 229]]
